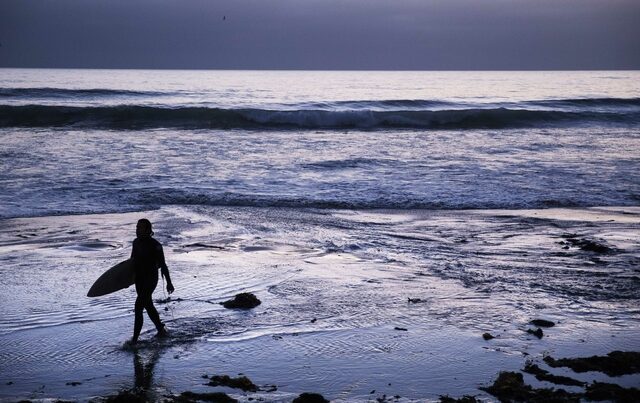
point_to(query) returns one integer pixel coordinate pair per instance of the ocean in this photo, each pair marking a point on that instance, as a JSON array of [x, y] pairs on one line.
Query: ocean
[[91, 141], [385, 219]]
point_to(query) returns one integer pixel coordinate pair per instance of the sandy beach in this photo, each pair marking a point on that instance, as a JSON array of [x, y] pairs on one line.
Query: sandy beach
[[356, 305]]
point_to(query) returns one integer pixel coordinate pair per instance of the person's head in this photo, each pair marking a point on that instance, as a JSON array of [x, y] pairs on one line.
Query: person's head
[[143, 228]]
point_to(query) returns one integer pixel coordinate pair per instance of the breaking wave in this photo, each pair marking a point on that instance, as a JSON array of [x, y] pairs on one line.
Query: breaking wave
[[125, 117]]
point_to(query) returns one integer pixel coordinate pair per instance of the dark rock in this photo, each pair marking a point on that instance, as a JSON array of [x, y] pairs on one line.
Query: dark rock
[[542, 323], [488, 336], [241, 382], [463, 399], [510, 387], [245, 300], [310, 398], [538, 332], [615, 393], [615, 363], [128, 396], [192, 397], [543, 375]]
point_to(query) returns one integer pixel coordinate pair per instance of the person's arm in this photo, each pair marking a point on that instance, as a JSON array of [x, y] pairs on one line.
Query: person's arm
[[164, 270]]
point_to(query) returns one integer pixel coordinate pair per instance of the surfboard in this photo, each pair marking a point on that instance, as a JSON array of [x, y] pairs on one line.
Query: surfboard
[[116, 278]]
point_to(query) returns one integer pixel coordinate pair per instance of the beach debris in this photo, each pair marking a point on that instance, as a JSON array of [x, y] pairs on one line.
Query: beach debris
[[616, 363], [241, 382], [167, 300], [215, 397], [608, 391], [203, 246], [543, 375], [585, 244], [401, 329], [463, 399], [538, 332], [245, 300], [128, 396], [542, 323], [510, 387], [310, 398], [488, 336]]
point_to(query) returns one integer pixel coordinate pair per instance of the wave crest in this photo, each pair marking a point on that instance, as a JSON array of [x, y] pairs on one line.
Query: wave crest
[[125, 117]]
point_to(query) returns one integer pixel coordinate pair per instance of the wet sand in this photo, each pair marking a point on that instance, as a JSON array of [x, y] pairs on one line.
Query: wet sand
[[335, 288]]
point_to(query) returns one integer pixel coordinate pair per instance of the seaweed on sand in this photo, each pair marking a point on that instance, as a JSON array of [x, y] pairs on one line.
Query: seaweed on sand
[[310, 398], [542, 323], [190, 397], [608, 391], [586, 244], [128, 396], [538, 332], [543, 375], [510, 387], [241, 382], [615, 363], [463, 399]]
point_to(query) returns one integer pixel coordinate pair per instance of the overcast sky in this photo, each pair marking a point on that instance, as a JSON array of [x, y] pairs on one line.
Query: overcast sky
[[321, 34]]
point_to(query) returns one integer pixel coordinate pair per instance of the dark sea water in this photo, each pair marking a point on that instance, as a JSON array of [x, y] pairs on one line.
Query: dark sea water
[[79, 141]]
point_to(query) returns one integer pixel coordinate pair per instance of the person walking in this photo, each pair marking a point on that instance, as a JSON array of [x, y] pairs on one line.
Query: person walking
[[147, 256]]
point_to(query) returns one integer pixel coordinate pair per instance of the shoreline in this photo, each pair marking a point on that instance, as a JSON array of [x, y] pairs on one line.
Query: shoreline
[[466, 267]]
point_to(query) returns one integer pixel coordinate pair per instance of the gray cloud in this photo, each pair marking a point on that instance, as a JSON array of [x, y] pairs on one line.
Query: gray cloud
[[322, 34]]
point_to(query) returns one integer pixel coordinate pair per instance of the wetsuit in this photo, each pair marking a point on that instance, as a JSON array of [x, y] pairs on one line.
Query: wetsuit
[[147, 256]]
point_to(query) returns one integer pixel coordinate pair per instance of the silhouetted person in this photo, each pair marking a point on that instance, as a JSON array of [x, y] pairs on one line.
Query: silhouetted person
[[147, 256]]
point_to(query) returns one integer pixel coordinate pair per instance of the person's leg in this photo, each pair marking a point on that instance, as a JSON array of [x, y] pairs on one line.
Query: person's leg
[[153, 314], [137, 324]]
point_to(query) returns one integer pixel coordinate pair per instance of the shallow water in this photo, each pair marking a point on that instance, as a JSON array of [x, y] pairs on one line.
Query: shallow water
[[333, 283]]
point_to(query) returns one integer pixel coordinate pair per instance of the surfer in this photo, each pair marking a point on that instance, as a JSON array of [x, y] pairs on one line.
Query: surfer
[[147, 255]]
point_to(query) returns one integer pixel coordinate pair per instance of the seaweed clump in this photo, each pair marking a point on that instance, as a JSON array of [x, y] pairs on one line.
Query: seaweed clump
[[191, 397], [510, 387], [538, 332], [585, 244], [463, 399], [245, 300], [241, 382], [310, 398], [613, 392], [542, 323], [615, 363], [128, 396], [543, 375]]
